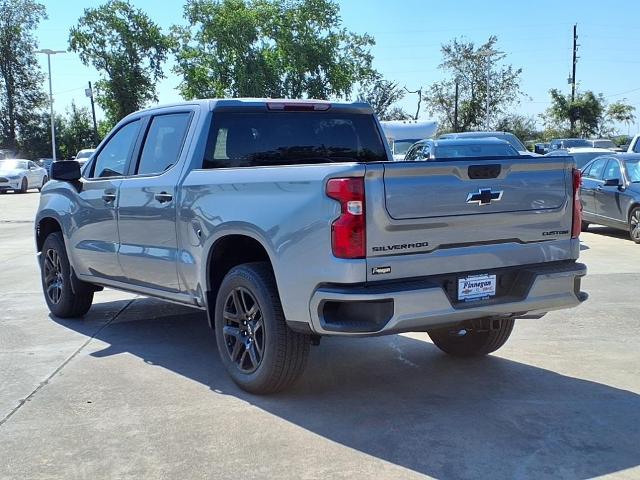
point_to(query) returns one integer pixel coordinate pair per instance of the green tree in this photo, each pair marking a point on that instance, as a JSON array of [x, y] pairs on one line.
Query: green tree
[[128, 49], [617, 112], [521, 126], [20, 76], [467, 65], [77, 132], [588, 113], [269, 48], [382, 95], [35, 136]]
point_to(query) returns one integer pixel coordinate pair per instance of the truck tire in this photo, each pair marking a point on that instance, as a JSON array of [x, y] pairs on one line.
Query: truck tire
[[467, 342], [634, 224], [55, 272], [259, 351]]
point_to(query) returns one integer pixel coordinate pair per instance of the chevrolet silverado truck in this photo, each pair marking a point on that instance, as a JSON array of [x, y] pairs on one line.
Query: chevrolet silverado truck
[[287, 220]]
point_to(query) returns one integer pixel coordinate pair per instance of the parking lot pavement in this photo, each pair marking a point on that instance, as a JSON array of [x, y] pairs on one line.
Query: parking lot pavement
[[136, 390]]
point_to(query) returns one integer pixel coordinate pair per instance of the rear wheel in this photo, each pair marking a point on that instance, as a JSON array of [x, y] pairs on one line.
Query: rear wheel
[[55, 270], [634, 225], [24, 186], [584, 226], [259, 351], [44, 180], [478, 337]]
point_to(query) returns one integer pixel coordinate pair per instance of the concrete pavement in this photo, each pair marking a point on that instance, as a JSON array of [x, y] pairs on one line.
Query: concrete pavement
[[136, 390]]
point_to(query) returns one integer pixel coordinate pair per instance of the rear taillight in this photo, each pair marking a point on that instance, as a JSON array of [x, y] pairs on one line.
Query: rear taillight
[[576, 227], [348, 231]]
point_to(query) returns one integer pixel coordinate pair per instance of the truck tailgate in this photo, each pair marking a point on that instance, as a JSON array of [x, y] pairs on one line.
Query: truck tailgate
[[427, 218]]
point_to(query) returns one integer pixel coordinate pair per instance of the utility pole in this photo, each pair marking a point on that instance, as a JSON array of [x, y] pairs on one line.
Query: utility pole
[[575, 61], [455, 109], [572, 116], [89, 93]]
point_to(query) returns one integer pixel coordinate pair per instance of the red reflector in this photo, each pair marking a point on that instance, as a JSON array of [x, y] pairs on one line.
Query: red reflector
[[348, 231], [576, 226], [298, 106]]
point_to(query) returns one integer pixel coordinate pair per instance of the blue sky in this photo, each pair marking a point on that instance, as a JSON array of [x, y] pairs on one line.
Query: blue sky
[[536, 36]]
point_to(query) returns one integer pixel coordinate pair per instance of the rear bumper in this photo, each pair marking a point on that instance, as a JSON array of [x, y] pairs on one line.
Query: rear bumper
[[422, 304]]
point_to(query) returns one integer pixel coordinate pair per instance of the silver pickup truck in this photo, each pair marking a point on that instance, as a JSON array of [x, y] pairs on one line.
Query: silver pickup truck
[[287, 220]]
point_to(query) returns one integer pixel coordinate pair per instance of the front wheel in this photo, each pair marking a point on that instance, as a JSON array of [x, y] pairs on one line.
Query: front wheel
[[634, 225], [479, 337], [257, 348], [55, 272], [24, 186]]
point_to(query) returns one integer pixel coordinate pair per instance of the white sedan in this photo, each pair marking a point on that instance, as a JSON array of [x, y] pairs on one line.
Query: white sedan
[[20, 175]]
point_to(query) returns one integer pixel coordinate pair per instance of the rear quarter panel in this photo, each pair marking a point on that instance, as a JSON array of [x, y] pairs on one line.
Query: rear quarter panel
[[284, 208]]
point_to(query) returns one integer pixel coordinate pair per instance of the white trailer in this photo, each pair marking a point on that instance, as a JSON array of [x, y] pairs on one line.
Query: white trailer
[[401, 134]]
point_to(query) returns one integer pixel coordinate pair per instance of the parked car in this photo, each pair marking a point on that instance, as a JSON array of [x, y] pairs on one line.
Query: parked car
[[604, 143], [507, 136], [432, 150], [83, 155], [582, 155], [287, 220], [541, 148], [610, 193], [634, 145], [564, 143], [20, 175], [401, 134]]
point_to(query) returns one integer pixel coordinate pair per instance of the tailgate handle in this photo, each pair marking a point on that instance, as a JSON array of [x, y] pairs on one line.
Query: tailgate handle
[[478, 172]]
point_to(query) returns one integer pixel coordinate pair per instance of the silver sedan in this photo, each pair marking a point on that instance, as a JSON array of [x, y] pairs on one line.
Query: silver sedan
[[20, 175]]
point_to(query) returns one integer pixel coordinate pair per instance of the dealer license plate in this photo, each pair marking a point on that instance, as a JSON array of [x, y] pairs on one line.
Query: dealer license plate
[[476, 287]]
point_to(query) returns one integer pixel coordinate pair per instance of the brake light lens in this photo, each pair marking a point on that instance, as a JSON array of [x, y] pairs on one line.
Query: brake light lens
[[348, 231], [576, 227], [299, 106]]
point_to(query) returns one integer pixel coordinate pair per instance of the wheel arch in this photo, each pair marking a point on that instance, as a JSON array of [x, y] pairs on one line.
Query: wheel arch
[[225, 253], [635, 204], [45, 227]]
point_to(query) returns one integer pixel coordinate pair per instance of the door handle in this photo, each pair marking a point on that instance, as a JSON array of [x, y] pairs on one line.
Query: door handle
[[108, 197], [163, 197], [599, 188]]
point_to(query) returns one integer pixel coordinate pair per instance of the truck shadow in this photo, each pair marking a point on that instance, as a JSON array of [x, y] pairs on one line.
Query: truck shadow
[[399, 399]]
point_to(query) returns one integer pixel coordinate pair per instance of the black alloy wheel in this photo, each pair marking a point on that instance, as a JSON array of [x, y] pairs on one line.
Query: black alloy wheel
[[53, 276], [243, 330]]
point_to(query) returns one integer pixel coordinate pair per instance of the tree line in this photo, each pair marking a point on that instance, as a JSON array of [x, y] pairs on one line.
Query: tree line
[[261, 48]]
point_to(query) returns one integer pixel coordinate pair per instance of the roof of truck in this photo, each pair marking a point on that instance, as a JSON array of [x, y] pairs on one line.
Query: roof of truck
[[276, 103]]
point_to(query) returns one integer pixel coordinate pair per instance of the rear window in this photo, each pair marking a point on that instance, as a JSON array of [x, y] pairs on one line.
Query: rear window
[[474, 150], [292, 138]]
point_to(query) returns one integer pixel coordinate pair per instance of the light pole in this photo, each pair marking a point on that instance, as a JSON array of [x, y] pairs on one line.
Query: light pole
[[48, 52], [488, 54]]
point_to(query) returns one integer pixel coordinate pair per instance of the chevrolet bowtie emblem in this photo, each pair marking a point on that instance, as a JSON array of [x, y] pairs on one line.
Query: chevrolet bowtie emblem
[[484, 196]]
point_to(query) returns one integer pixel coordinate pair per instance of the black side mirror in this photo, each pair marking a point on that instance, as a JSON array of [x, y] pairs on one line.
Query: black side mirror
[[67, 171], [612, 182]]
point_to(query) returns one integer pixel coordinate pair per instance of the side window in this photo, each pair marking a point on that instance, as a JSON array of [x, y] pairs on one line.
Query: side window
[[596, 169], [636, 146], [163, 143], [112, 159], [612, 170], [411, 154]]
